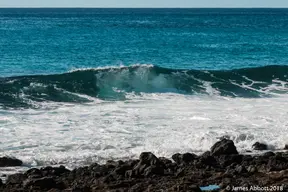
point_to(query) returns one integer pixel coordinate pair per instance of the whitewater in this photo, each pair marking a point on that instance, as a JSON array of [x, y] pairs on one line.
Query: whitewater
[[88, 85], [159, 118]]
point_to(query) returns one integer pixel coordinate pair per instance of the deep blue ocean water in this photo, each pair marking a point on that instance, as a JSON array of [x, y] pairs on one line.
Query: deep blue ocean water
[[79, 86], [54, 41], [42, 41]]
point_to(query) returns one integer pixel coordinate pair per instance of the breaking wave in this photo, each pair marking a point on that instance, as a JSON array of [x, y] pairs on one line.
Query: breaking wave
[[113, 83]]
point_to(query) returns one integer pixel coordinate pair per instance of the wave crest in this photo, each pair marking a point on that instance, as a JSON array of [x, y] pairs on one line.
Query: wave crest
[[113, 83]]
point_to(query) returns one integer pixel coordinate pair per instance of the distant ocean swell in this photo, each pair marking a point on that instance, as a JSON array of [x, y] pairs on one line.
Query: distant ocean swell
[[113, 83]]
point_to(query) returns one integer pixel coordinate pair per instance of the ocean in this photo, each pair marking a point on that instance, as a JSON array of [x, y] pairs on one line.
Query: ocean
[[86, 85]]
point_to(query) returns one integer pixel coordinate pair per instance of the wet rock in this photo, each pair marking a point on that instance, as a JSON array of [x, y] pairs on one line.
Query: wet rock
[[132, 162], [16, 178], [9, 162], [148, 158], [268, 154], [153, 170], [121, 170], [42, 183], [184, 158], [185, 187], [241, 169], [277, 163], [113, 164], [252, 169], [207, 159], [226, 160], [96, 170], [165, 161], [149, 164], [259, 146], [149, 173], [224, 147], [129, 174], [54, 171], [34, 173], [139, 169], [194, 188]]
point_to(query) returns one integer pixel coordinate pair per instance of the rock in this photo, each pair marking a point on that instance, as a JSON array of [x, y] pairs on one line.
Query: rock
[[150, 173], [194, 188], [224, 147], [54, 171], [247, 158], [259, 146], [139, 169], [42, 183], [129, 174], [184, 158], [226, 160], [132, 162], [165, 161], [9, 162], [268, 154], [148, 158], [148, 165], [153, 170], [277, 163], [121, 170], [252, 169], [286, 147], [185, 187], [16, 178], [207, 159], [241, 169], [58, 171], [1, 182], [34, 173], [97, 170], [113, 164]]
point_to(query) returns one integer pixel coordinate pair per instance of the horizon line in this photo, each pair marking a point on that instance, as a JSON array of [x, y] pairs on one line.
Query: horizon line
[[143, 7]]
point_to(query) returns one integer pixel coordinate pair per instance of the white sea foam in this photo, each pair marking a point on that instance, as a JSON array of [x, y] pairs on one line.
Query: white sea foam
[[121, 66], [164, 123]]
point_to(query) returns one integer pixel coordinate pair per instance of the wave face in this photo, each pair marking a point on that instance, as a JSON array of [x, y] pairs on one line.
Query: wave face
[[113, 83]]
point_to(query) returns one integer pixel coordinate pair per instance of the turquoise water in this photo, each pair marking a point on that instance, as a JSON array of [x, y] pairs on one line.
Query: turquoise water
[[168, 50], [47, 41], [87, 85]]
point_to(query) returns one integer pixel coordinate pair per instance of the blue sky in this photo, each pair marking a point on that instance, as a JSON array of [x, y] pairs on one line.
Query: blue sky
[[143, 3]]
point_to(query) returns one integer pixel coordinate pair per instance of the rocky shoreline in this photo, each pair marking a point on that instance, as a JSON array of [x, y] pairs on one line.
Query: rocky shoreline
[[222, 166]]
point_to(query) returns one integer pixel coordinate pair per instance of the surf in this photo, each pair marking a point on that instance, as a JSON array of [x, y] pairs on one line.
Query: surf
[[114, 83]]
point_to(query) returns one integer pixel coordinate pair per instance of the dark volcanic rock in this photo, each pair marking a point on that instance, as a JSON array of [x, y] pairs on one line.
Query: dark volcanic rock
[[148, 158], [121, 170], [9, 162], [224, 147], [16, 178], [268, 154], [221, 166], [184, 158], [42, 183], [207, 159], [252, 169], [153, 170], [34, 173], [226, 160], [259, 146], [241, 169], [148, 165]]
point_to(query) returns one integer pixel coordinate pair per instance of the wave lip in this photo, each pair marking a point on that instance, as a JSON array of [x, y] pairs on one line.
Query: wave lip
[[113, 83]]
